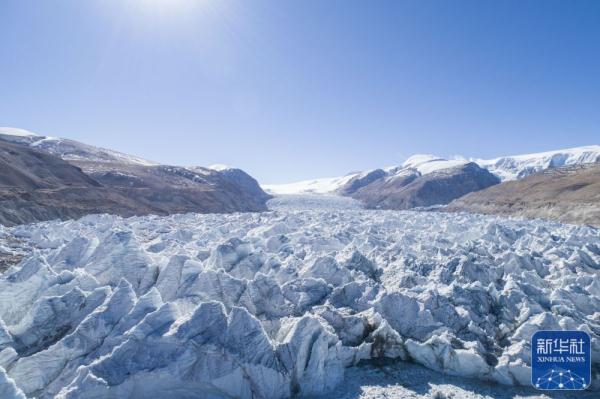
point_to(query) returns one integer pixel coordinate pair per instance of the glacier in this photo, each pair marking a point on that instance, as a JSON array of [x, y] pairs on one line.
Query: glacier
[[282, 303]]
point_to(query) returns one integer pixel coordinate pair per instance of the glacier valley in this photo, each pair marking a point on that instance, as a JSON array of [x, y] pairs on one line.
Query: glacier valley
[[284, 303]]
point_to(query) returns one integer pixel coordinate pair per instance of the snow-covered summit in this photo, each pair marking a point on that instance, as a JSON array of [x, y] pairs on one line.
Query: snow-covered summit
[[427, 163], [419, 159], [518, 166]]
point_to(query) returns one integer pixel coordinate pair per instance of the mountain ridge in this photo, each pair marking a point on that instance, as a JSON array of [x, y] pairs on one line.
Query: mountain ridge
[[426, 180], [67, 149], [117, 183], [510, 167]]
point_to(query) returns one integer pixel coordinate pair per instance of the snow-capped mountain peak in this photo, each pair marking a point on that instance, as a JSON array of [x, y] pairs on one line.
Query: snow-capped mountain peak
[[506, 168], [427, 163], [518, 166]]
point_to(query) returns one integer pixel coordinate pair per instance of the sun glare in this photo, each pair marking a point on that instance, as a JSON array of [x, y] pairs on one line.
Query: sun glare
[[167, 6], [167, 3], [168, 13]]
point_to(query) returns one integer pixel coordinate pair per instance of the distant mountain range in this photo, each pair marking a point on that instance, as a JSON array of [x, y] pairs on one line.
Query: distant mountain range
[[43, 177], [505, 168], [427, 180]]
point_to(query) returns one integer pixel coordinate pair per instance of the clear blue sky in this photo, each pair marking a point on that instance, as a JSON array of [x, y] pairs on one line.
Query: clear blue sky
[[290, 90]]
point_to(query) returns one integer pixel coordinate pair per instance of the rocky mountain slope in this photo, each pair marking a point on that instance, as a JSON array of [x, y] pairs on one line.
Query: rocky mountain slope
[[69, 150], [30, 170], [570, 194], [175, 189], [411, 190], [37, 186], [71, 179], [422, 180], [279, 304]]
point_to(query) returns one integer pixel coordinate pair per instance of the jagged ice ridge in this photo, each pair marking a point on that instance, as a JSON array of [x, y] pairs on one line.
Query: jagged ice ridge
[[277, 304]]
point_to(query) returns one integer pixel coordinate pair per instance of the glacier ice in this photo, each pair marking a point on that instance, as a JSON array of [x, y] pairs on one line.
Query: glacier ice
[[278, 304]]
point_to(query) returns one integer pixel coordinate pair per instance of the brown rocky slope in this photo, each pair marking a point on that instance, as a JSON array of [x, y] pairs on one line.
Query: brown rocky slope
[[568, 194], [40, 183]]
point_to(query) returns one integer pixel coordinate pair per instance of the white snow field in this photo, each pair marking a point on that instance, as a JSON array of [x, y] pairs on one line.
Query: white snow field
[[325, 185], [285, 303]]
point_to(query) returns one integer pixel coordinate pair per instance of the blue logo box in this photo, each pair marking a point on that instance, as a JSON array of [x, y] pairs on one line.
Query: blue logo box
[[560, 360]]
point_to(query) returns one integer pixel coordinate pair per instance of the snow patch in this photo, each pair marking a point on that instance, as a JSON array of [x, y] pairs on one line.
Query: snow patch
[[219, 167], [13, 131]]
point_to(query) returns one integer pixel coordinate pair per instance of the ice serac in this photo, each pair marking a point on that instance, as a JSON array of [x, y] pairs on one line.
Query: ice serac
[[37, 371], [8, 388], [211, 354], [280, 304], [310, 350]]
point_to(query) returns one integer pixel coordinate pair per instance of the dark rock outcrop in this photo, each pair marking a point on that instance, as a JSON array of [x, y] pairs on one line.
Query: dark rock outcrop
[[569, 194]]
